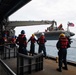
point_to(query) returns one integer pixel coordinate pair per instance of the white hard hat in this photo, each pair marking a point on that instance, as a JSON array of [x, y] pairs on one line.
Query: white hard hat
[[42, 34]]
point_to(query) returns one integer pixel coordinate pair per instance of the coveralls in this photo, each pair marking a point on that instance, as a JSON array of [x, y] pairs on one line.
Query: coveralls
[[41, 41], [62, 45], [32, 46], [22, 42]]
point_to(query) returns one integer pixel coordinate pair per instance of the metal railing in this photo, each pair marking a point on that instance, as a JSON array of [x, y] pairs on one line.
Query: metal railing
[[27, 64], [6, 69], [8, 52]]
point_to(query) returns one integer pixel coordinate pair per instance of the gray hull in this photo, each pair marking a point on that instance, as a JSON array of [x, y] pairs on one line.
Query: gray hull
[[54, 35]]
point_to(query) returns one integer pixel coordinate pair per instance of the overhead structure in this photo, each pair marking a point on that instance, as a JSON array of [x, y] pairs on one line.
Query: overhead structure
[[13, 24], [8, 7]]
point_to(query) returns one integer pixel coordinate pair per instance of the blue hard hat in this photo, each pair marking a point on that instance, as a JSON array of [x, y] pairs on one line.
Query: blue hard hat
[[22, 32], [13, 36], [5, 35]]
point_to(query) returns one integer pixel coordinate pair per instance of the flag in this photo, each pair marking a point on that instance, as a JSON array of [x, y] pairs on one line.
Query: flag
[[70, 24]]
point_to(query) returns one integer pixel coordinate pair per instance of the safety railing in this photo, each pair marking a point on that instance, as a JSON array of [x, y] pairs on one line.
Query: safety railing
[[8, 52], [27, 64], [5, 69]]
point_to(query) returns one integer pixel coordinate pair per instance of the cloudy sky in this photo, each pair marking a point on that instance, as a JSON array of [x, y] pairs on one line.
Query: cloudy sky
[[61, 11]]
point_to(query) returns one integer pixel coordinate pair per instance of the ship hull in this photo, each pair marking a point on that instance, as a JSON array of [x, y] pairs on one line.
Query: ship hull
[[54, 35]]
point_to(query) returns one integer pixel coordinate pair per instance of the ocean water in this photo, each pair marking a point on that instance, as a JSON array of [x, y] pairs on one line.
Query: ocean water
[[52, 50]]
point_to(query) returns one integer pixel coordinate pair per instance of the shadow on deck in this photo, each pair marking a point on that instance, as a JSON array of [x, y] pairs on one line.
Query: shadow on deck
[[42, 66], [49, 68]]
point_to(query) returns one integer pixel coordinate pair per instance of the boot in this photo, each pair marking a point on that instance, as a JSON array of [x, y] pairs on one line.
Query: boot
[[59, 69], [65, 68]]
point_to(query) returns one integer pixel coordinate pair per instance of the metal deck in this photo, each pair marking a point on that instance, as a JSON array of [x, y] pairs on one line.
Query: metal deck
[[48, 69]]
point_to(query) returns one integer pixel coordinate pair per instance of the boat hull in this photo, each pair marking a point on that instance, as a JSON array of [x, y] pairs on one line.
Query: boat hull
[[54, 35]]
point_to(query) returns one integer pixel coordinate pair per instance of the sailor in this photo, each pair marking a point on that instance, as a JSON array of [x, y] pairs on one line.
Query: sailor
[[62, 53], [13, 41], [22, 42], [3, 40], [41, 41], [32, 46], [60, 27]]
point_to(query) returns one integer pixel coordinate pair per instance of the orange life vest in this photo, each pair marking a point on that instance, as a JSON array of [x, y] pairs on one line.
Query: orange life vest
[[42, 40], [32, 39], [22, 39], [13, 40], [63, 42], [5, 39]]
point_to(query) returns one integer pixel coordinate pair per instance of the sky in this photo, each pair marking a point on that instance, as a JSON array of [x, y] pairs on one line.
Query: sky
[[62, 11]]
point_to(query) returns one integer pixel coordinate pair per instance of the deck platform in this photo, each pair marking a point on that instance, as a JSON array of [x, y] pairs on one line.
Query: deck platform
[[49, 68]]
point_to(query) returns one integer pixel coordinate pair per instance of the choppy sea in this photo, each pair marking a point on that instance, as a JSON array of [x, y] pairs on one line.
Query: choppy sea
[[52, 50]]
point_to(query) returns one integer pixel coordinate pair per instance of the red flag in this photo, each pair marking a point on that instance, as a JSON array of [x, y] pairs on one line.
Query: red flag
[[71, 24]]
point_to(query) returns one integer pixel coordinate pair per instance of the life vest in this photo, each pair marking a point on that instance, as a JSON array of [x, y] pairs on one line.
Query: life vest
[[32, 40], [42, 40], [13, 40], [63, 42], [60, 26], [22, 39], [5, 39]]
